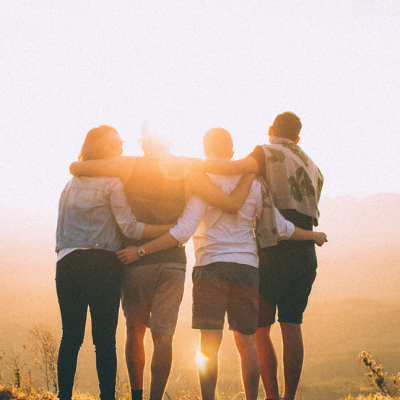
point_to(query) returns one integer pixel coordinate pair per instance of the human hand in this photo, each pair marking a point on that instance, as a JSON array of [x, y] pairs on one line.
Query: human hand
[[128, 255], [319, 238]]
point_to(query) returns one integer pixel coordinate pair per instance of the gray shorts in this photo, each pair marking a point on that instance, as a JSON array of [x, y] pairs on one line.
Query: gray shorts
[[152, 294], [226, 288]]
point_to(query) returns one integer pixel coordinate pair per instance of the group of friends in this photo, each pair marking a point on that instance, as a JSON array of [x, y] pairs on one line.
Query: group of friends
[[122, 226]]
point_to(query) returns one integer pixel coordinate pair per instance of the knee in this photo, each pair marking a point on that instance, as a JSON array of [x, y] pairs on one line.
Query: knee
[[104, 340], [245, 342], [135, 333], [162, 341], [71, 340]]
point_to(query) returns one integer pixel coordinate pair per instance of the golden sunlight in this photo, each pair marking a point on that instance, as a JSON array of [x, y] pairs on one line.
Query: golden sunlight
[[200, 359]]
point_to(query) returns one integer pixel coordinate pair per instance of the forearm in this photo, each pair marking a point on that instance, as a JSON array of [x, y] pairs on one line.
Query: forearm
[[222, 167], [153, 231], [120, 167], [161, 243], [319, 238], [130, 254], [301, 234], [200, 184]]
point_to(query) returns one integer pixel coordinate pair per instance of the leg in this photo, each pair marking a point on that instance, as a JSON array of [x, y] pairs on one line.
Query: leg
[[137, 284], [160, 365], [250, 364], [210, 342], [293, 353], [73, 307], [165, 301], [268, 362], [104, 299], [135, 355]]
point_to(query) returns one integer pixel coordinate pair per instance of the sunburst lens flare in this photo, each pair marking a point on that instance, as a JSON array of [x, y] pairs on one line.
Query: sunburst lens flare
[[200, 359]]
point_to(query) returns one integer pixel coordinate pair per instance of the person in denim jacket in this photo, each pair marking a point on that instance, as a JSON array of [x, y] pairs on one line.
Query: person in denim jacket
[[93, 216]]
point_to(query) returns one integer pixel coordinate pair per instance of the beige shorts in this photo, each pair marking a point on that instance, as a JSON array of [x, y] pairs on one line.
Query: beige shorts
[[152, 294]]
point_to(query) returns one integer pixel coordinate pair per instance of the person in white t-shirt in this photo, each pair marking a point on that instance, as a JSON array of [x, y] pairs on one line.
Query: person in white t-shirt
[[225, 276]]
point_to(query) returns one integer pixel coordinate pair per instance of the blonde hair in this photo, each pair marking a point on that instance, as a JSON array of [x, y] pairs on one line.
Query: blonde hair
[[219, 142]]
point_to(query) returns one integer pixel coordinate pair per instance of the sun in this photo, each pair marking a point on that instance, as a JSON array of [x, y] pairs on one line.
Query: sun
[[200, 359]]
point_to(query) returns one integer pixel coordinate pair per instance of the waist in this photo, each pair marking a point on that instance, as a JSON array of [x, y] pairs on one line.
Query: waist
[[298, 219]]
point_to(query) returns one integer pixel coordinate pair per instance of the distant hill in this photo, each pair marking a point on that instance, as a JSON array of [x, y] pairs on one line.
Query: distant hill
[[362, 255], [351, 222]]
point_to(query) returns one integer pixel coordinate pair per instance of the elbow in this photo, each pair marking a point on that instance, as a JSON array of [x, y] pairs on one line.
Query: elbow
[[74, 169], [232, 209]]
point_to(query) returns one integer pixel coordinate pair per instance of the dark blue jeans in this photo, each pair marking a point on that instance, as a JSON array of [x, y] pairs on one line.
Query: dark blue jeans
[[88, 278]]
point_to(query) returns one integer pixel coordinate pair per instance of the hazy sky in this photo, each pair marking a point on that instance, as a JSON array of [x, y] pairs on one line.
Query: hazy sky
[[67, 67]]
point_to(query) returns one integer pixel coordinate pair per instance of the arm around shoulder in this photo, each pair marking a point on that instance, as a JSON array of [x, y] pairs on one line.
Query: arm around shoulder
[[223, 167], [120, 167], [200, 184]]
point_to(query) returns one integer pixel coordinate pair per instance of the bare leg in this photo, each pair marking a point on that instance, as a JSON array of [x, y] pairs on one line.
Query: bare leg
[[210, 342], [246, 345], [268, 362], [134, 355], [160, 365], [293, 354]]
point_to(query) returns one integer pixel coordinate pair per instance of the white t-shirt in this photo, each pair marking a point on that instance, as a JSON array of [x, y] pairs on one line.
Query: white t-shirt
[[219, 236]]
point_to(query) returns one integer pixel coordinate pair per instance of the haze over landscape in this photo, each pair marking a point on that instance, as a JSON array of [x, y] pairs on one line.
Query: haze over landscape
[[188, 67], [353, 306]]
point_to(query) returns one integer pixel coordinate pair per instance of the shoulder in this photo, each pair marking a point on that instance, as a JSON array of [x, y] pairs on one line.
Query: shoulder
[[111, 183], [256, 184], [258, 152], [97, 182]]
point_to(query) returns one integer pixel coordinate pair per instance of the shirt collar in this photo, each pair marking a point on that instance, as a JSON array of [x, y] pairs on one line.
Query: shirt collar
[[277, 140]]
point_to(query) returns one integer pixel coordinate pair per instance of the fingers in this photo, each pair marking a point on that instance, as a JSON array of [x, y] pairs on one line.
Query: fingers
[[128, 255], [320, 238]]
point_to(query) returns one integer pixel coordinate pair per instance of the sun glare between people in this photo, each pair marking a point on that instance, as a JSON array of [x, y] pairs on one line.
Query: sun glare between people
[[200, 359]]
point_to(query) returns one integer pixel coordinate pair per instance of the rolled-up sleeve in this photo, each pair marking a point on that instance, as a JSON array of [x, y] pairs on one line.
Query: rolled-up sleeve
[[284, 227], [189, 220], [122, 212]]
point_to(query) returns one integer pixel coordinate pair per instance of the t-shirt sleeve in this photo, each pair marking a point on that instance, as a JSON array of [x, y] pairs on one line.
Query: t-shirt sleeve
[[259, 155], [284, 227], [189, 220]]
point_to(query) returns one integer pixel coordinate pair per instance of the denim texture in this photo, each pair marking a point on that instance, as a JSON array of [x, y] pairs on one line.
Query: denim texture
[[93, 211]]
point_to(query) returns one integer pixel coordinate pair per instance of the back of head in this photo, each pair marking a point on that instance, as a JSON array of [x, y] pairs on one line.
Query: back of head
[[287, 125], [218, 143], [96, 146]]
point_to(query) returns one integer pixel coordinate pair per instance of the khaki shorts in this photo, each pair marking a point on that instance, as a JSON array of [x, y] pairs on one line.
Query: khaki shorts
[[152, 294]]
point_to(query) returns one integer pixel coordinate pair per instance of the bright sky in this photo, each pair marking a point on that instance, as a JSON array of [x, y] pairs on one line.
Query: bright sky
[[67, 67]]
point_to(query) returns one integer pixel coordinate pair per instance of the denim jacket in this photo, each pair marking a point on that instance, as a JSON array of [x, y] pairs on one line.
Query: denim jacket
[[93, 211]]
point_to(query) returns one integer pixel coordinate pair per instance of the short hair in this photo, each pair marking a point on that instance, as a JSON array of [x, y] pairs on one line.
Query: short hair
[[287, 125], [93, 148], [219, 142]]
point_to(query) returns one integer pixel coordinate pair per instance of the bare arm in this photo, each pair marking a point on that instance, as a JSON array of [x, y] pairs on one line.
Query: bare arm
[[130, 254], [180, 234], [287, 231], [319, 238], [125, 218], [200, 184], [153, 231], [119, 167], [223, 167]]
